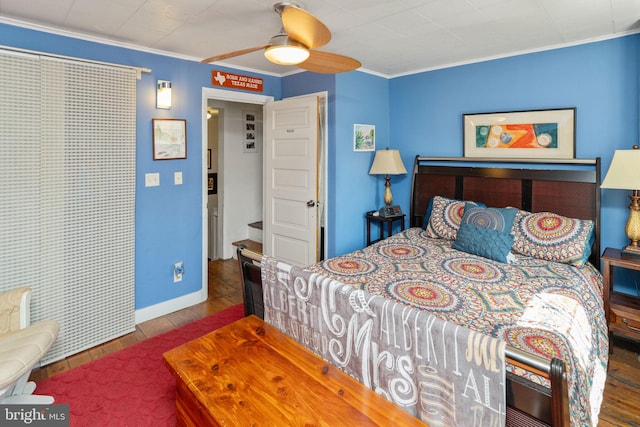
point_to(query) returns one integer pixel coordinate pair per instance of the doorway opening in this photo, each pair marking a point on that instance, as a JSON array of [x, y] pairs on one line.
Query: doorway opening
[[235, 203], [235, 163]]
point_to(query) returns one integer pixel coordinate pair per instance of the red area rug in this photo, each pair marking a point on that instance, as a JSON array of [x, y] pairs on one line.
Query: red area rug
[[131, 387]]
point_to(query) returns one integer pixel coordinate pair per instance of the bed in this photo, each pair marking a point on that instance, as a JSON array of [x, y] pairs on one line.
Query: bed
[[554, 326]]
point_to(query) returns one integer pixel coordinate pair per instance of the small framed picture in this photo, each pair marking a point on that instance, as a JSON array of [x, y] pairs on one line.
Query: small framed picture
[[364, 137], [249, 133], [169, 139], [212, 183], [208, 158]]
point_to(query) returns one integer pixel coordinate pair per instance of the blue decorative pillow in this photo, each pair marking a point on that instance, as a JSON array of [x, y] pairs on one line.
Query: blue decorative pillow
[[444, 216], [425, 223], [486, 232]]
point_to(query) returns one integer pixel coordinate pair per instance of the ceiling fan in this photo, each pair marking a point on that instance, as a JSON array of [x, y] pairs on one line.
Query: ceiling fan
[[295, 44]]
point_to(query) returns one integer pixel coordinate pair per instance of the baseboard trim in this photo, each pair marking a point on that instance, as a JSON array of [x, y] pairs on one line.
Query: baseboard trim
[[166, 307]]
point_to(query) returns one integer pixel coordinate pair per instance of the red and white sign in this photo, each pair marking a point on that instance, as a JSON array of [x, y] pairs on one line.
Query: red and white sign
[[236, 81]]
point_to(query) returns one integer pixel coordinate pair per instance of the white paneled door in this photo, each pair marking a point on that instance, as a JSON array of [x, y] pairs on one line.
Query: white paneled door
[[291, 180]]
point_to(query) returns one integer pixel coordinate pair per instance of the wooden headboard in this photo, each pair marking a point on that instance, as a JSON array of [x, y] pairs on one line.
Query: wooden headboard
[[569, 187]]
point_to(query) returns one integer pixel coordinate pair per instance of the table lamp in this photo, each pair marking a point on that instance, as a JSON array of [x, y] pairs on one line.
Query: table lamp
[[387, 162], [624, 174]]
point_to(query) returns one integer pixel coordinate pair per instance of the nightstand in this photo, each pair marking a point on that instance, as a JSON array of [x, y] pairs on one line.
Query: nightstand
[[622, 311], [382, 221]]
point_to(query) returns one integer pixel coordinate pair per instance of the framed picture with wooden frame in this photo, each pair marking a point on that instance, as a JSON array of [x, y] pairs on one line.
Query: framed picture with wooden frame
[[538, 134], [169, 139]]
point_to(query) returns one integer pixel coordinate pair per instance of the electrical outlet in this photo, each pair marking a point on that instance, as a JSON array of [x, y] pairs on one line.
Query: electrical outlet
[[178, 271]]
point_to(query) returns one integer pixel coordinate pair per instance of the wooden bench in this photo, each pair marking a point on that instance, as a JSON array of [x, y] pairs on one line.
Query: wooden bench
[[250, 374]]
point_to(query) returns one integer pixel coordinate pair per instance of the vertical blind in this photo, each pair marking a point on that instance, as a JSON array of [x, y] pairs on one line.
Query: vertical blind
[[67, 179]]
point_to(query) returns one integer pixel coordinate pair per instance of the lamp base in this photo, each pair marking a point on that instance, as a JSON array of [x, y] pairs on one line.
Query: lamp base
[[630, 252], [388, 197]]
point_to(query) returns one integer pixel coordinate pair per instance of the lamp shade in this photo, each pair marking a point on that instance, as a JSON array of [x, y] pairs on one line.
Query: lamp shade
[[624, 171], [387, 162]]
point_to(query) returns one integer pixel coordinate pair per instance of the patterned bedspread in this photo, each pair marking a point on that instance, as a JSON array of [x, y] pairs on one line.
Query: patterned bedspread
[[547, 308], [442, 373]]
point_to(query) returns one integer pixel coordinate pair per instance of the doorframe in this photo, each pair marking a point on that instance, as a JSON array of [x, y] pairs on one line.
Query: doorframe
[[248, 98], [218, 95]]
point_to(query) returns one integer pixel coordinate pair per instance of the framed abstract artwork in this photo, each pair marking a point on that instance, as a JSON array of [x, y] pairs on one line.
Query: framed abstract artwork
[[527, 135]]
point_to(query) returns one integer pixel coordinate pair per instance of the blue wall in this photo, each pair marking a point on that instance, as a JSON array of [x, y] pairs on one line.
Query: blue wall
[[168, 218], [599, 79], [364, 99]]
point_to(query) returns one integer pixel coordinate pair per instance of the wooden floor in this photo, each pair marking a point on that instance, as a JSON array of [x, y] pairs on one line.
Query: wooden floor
[[621, 405]]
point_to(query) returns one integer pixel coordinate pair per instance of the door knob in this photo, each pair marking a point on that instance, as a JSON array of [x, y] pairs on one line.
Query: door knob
[[311, 204]]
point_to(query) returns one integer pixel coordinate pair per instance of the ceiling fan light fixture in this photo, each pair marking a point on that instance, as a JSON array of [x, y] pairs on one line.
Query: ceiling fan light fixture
[[284, 51], [296, 44]]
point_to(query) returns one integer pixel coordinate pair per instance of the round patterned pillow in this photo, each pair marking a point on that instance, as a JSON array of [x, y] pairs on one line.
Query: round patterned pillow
[[553, 237]]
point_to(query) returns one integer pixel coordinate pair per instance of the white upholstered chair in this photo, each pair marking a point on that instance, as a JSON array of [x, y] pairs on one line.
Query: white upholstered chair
[[22, 345]]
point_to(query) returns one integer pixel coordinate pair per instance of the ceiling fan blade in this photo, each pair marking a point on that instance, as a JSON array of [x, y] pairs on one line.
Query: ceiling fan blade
[[328, 63], [232, 54], [302, 26]]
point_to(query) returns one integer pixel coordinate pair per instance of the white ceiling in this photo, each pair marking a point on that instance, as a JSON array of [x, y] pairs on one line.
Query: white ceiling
[[389, 37]]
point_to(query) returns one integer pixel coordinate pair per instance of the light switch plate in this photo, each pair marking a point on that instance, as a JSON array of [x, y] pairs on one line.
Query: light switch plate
[[152, 179], [177, 178]]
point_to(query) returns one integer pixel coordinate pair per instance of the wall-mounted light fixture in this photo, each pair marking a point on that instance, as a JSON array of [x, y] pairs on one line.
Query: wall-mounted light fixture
[[163, 94]]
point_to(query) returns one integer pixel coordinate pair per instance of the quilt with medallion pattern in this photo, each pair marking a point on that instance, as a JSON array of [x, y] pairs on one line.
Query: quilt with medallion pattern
[[542, 307]]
